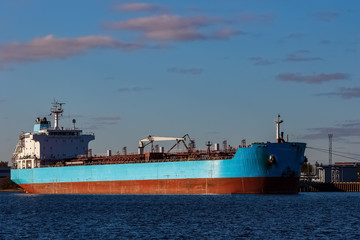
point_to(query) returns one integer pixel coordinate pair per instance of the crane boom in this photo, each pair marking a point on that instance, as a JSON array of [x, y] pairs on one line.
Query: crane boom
[[150, 139], [153, 138]]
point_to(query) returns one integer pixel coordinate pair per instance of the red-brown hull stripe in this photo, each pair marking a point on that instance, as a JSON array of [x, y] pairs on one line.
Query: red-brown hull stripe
[[172, 186]]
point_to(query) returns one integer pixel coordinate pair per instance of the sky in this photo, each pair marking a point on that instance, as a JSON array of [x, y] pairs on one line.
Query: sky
[[218, 70]]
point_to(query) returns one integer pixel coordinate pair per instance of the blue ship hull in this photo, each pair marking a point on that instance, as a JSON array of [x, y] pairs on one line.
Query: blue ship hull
[[261, 168]]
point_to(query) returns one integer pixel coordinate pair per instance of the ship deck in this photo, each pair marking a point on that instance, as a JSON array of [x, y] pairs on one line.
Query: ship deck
[[140, 158]]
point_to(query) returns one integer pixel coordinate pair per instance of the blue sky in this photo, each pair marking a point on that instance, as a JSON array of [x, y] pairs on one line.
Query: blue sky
[[216, 70]]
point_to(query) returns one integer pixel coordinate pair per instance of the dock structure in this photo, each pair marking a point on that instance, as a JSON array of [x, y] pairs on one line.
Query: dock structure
[[329, 187], [338, 177]]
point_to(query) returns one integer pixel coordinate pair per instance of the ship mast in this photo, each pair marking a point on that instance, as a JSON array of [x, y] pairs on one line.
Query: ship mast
[[278, 122], [56, 110]]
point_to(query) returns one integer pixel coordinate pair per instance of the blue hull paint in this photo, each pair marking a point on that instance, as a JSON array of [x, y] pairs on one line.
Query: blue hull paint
[[247, 162]]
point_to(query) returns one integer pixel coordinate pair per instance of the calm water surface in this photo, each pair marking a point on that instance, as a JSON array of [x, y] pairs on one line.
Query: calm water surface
[[303, 216]]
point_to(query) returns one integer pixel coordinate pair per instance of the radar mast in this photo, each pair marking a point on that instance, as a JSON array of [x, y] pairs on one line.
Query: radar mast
[[56, 110], [278, 122]]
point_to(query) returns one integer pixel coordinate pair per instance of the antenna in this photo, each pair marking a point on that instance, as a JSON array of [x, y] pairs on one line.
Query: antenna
[[278, 122], [330, 148], [56, 110], [208, 144], [74, 121]]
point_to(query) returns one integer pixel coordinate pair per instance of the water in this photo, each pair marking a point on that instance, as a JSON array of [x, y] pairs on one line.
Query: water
[[303, 216]]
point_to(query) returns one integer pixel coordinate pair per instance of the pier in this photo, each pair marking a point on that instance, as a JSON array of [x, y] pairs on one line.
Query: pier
[[329, 187]]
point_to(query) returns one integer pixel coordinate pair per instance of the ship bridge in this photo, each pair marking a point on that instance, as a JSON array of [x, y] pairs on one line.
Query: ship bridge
[[46, 144]]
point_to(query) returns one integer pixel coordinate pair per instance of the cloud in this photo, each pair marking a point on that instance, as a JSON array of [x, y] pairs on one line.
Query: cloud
[[346, 93], [50, 47], [301, 56], [296, 36], [141, 7], [133, 89], [259, 61], [340, 131], [327, 16], [72, 116], [101, 122], [225, 33], [172, 27], [318, 78], [255, 18], [192, 71], [351, 124]]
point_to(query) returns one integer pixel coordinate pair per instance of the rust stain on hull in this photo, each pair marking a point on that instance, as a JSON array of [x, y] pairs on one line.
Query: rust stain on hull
[[253, 185]]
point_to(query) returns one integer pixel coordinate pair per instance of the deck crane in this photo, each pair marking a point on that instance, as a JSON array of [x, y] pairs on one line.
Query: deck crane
[[151, 139]]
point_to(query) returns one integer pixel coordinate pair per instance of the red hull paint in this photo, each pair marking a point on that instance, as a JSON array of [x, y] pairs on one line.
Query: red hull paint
[[259, 185]]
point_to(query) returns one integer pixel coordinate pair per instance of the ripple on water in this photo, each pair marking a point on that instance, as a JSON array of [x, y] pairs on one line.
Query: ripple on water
[[307, 215]]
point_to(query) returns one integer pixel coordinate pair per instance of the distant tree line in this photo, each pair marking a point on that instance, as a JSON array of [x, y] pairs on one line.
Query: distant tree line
[[308, 168], [6, 183], [3, 164]]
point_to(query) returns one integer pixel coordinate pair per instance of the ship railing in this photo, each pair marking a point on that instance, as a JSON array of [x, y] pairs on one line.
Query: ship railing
[[130, 160], [71, 129], [88, 159]]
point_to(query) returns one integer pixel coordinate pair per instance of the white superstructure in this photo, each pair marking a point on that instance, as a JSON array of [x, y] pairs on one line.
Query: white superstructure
[[46, 144]]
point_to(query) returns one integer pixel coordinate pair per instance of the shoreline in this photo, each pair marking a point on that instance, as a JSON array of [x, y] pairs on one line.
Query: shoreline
[[6, 185], [12, 190]]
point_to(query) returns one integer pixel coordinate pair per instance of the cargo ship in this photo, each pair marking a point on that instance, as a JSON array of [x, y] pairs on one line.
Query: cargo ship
[[55, 160]]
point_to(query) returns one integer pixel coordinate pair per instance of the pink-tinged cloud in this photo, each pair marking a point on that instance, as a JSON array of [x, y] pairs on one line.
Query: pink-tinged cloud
[[172, 27], [318, 78], [340, 132], [179, 35], [225, 33], [140, 7], [162, 22], [50, 47], [301, 56], [346, 93]]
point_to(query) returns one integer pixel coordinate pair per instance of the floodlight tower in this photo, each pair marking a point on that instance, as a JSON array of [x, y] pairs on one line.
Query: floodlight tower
[[330, 148]]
